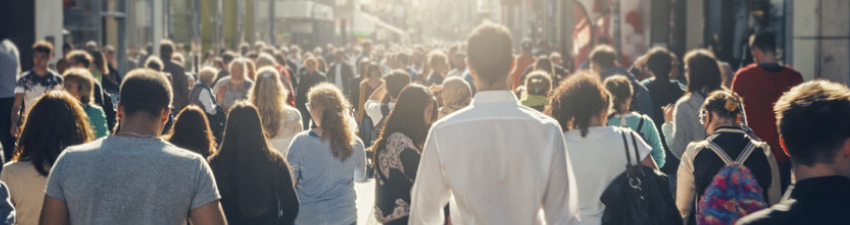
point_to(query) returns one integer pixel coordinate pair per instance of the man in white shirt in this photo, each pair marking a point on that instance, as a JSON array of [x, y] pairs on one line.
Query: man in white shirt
[[341, 73], [503, 163]]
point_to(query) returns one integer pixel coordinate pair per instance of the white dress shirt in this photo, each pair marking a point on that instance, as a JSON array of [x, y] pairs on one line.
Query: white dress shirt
[[373, 110], [338, 77], [504, 163]]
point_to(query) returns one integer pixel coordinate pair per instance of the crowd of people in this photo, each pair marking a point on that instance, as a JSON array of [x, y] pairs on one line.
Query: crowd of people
[[465, 133]]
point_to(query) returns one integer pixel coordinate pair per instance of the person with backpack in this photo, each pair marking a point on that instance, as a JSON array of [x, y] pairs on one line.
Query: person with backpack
[[377, 107], [621, 97], [728, 168], [202, 96], [580, 105]]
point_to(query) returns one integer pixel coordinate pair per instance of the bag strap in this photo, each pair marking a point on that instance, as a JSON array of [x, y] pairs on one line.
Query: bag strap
[[640, 124], [626, 144], [634, 144], [719, 151], [746, 153]]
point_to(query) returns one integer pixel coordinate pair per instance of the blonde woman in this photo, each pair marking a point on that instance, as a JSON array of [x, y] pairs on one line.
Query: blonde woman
[[327, 160], [281, 122], [456, 95]]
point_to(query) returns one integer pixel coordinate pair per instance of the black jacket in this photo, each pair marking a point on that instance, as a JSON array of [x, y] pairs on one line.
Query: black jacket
[[347, 73], [179, 84], [821, 200]]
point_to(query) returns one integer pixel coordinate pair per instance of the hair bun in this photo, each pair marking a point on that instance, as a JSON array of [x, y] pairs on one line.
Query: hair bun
[[731, 105]]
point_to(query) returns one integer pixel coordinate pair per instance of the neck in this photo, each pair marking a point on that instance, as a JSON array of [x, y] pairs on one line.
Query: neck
[[767, 58], [802, 172], [140, 125], [40, 70], [498, 86]]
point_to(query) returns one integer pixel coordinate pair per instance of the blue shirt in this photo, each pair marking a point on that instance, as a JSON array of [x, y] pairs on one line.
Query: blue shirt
[[647, 131], [324, 183]]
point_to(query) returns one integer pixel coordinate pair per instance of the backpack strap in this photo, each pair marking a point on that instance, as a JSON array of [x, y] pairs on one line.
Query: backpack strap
[[717, 150], [634, 144], [746, 153], [640, 124], [626, 144]]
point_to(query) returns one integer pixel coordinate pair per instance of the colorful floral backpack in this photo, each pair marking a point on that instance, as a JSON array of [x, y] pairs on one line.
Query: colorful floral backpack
[[733, 193]]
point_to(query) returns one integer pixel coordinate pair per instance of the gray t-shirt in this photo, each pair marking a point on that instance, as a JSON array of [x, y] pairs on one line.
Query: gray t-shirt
[[121, 180]]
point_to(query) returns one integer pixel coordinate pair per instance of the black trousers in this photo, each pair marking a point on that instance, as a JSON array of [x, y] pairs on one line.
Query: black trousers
[[6, 138]]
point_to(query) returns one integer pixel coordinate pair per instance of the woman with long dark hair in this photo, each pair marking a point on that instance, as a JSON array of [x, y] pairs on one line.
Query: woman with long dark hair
[[192, 132], [56, 121], [681, 122], [254, 180], [397, 152], [327, 160]]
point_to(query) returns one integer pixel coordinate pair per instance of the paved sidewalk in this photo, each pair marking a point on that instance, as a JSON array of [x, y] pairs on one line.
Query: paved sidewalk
[[365, 202]]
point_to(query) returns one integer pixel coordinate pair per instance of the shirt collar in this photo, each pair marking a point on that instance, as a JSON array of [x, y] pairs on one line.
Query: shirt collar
[[729, 130], [820, 186], [502, 96]]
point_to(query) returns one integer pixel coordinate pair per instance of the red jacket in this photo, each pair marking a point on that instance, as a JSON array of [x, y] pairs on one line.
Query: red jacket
[[761, 86]]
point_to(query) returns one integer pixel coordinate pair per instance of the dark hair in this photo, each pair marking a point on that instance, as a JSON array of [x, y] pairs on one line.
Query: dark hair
[[538, 83], [166, 48], [56, 121], [145, 91], [154, 63], [490, 54], [396, 81], [329, 100], [764, 41], [43, 47], [620, 89], [372, 68], [526, 45], [244, 48], [578, 100], [407, 117], [228, 57], [660, 62], [366, 44], [703, 72], [812, 121], [544, 64], [80, 56], [246, 167], [725, 103], [191, 131], [67, 46], [403, 58], [604, 56]]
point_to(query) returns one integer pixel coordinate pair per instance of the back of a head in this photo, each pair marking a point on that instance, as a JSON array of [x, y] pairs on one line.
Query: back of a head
[[166, 48], [620, 89], [724, 103], [578, 100], [489, 52], [544, 64], [660, 62], [812, 121], [91, 46], [395, 81], [526, 45], [329, 100], [207, 75], [80, 56], [764, 41], [264, 60], [192, 132], [538, 83], [228, 57], [55, 122], [154, 63], [403, 58], [703, 72], [84, 81], [249, 159], [268, 95], [244, 48], [456, 92], [604, 56], [408, 116], [145, 92]]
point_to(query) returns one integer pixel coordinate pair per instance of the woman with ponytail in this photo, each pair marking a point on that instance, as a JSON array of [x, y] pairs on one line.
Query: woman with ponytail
[[327, 160]]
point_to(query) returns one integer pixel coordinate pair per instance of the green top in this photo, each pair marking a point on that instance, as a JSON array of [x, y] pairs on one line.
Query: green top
[[97, 119], [534, 100], [647, 131]]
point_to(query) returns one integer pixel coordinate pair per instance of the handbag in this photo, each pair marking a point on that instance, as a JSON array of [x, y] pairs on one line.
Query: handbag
[[639, 196]]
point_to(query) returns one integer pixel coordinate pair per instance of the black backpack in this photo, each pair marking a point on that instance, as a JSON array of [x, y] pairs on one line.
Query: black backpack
[[639, 196]]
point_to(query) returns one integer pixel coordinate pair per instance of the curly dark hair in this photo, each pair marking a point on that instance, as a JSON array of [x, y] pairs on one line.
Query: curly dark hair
[[577, 101]]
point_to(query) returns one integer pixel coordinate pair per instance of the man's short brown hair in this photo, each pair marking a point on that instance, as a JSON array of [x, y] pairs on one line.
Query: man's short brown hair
[[145, 91], [490, 54], [84, 81], [43, 47], [812, 121]]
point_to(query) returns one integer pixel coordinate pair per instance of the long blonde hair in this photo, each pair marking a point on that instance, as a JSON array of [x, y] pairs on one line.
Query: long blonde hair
[[269, 96], [334, 106]]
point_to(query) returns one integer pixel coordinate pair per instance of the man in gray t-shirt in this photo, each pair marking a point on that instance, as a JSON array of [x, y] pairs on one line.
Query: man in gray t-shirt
[[133, 177]]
